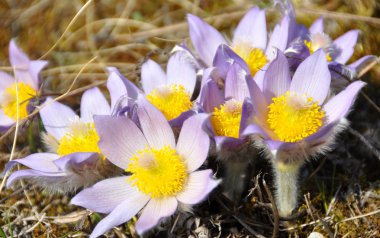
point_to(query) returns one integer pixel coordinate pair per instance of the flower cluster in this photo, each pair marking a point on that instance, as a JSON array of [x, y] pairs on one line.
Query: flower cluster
[[142, 152]]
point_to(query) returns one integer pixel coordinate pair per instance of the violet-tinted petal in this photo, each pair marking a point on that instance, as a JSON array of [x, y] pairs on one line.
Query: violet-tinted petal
[[254, 129], [346, 44], [312, 77], [224, 57], [106, 195], [193, 142], [259, 77], [5, 121], [35, 67], [274, 145], [205, 38], [259, 102], [117, 89], [156, 128], [120, 139], [279, 38], [247, 112], [74, 160], [277, 77], [322, 134], [210, 96], [252, 29], [5, 80], [43, 162], [31, 173], [363, 62], [122, 213], [182, 71], [154, 211], [132, 89], [317, 26], [339, 106], [236, 85], [199, 185], [55, 116], [152, 76], [178, 121], [93, 103]]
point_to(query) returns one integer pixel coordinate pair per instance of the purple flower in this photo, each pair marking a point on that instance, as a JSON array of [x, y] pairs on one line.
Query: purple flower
[[297, 118], [224, 100], [163, 172], [249, 40], [24, 84], [172, 92], [73, 159]]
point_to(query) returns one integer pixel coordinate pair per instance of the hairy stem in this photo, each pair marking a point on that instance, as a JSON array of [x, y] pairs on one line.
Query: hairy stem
[[286, 183]]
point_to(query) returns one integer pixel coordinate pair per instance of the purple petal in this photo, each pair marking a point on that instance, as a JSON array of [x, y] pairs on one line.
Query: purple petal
[[76, 160], [199, 185], [154, 211], [252, 29], [182, 71], [35, 68], [312, 77], [117, 89], [178, 121], [122, 213], [279, 38], [43, 162], [93, 103], [236, 85], [152, 76], [205, 38], [363, 62], [131, 88], [5, 121], [120, 139], [106, 195], [21, 64], [55, 116], [31, 173], [259, 102], [259, 77], [317, 26], [210, 96], [224, 57], [322, 134], [193, 142], [277, 77], [156, 128], [339, 106], [346, 44], [5, 80]]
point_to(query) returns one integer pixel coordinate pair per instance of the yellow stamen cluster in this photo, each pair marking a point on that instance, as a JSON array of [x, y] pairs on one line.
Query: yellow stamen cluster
[[171, 100], [293, 118], [312, 49], [158, 173], [81, 137], [9, 104], [254, 57], [226, 119]]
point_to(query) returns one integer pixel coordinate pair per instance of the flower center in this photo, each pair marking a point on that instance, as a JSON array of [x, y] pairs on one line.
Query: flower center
[[171, 100], [318, 41], [158, 172], [254, 57], [293, 117], [9, 100], [80, 137], [226, 119]]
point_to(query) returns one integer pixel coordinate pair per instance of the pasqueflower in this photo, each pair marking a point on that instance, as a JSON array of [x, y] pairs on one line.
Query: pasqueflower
[[162, 171], [16, 92]]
